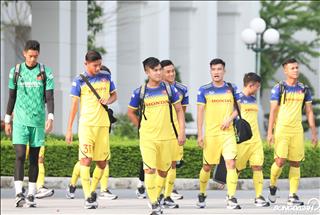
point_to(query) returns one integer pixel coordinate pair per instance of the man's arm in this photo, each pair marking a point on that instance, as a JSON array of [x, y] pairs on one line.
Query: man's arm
[[10, 106], [73, 112], [226, 124], [200, 113], [50, 108], [181, 120], [312, 125], [272, 118], [113, 97], [133, 117]]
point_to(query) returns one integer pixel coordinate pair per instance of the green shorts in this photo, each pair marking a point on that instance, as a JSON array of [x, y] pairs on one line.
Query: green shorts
[[34, 136]]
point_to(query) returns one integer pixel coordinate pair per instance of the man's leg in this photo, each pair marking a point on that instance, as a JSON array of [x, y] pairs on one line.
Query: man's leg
[[33, 175], [258, 186], [171, 177], [97, 174], [71, 189], [19, 173], [140, 192]]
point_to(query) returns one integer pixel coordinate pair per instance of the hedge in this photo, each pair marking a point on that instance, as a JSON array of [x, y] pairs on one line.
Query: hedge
[[125, 159]]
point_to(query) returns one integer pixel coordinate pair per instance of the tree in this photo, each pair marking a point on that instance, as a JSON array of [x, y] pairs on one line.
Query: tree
[[95, 25], [289, 17]]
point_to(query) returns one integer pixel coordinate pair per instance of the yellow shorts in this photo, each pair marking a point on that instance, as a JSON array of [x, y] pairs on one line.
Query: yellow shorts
[[215, 146], [289, 146], [94, 143], [41, 152], [156, 154], [177, 151], [249, 151]]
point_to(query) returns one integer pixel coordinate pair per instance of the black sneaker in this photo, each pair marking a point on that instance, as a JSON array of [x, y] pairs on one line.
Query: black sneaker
[[161, 200], [156, 209], [71, 191], [294, 200], [272, 196], [169, 203], [20, 200], [261, 202], [175, 195], [141, 192], [201, 200], [91, 202], [30, 203], [232, 203]]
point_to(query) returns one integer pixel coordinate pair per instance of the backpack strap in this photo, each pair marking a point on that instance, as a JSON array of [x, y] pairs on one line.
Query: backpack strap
[[169, 93], [141, 109], [306, 89], [234, 99], [44, 80], [282, 91], [16, 75]]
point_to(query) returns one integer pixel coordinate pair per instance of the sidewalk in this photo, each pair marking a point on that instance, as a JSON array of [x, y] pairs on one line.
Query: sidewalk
[[180, 184]]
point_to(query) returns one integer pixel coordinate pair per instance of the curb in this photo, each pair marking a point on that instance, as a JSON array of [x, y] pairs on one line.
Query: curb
[[180, 183]]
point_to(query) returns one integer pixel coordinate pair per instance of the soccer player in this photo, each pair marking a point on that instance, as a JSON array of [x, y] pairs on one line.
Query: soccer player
[[285, 129], [94, 123], [156, 130], [252, 150], [216, 105], [105, 193], [169, 75], [29, 89]]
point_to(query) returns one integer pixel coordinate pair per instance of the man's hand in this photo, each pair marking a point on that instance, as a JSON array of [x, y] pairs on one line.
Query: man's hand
[[314, 138], [49, 125], [69, 137], [181, 139], [103, 101], [270, 139], [8, 129], [226, 124], [200, 141]]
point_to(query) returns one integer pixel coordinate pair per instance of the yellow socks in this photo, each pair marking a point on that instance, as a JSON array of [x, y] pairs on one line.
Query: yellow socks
[[160, 182], [203, 178], [232, 180], [75, 174], [85, 180], [150, 182], [275, 173], [97, 174], [104, 179], [171, 177], [294, 178], [40, 180], [258, 182]]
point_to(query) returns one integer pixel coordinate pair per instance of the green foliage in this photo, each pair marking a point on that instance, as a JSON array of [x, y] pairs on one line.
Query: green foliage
[[125, 159], [124, 128], [95, 25], [289, 17]]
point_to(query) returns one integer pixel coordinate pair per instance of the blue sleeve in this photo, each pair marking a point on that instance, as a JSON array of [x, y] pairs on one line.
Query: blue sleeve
[[308, 96], [236, 92], [185, 98], [201, 98], [135, 99], [275, 93], [76, 89], [112, 86], [175, 94]]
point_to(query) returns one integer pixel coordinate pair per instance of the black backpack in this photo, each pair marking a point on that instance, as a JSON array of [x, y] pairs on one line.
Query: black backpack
[[141, 109], [42, 74], [305, 90]]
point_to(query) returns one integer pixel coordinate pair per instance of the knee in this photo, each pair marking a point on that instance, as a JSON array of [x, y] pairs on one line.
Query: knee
[[21, 156], [256, 168], [295, 163], [174, 164], [150, 171], [280, 162], [41, 160], [85, 161], [206, 167], [162, 174], [102, 164], [230, 164]]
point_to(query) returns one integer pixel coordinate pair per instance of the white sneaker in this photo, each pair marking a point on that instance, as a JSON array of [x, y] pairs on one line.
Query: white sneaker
[[106, 194], [294, 200], [232, 203], [20, 200], [141, 192], [175, 195], [30, 203], [44, 192], [71, 191], [91, 202], [261, 202]]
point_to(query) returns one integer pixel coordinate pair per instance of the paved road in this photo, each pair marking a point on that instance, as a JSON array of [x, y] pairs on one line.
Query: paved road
[[128, 204]]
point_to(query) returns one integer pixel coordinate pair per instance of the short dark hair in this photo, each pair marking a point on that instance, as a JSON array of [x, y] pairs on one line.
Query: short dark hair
[[166, 63], [150, 62], [93, 56], [251, 77], [32, 45], [104, 68], [289, 60], [217, 61]]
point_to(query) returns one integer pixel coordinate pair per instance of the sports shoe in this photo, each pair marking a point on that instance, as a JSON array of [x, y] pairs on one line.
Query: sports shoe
[[232, 203], [91, 202], [44, 192], [71, 191], [294, 200], [156, 209], [106, 194], [175, 195], [201, 200], [141, 192], [261, 202], [30, 203], [20, 200], [272, 196], [161, 201], [169, 203]]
